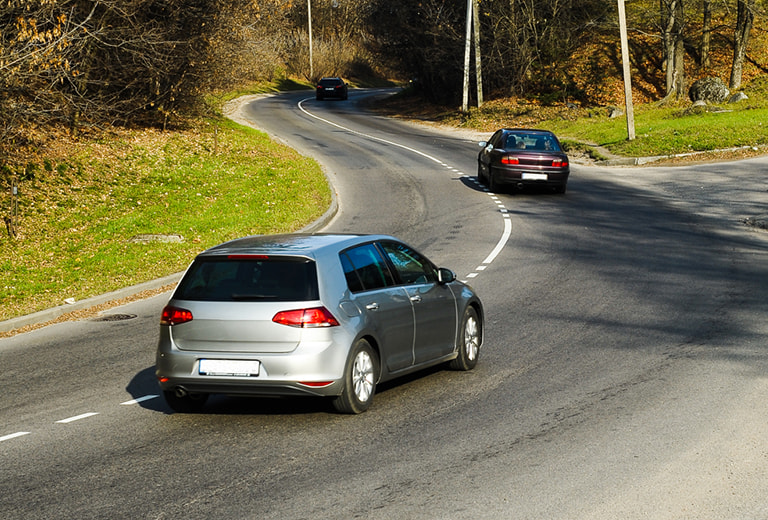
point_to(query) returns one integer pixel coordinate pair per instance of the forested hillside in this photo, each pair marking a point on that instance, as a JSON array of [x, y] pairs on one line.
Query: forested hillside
[[90, 64]]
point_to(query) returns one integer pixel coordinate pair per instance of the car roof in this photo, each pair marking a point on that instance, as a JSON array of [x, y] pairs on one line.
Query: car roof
[[527, 131], [292, 244]]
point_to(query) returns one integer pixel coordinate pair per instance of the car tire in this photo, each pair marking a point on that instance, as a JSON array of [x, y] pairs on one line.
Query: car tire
[[470, 338], [560, 188], [360, 377], [493, 185], [188, 403], [480, 173]]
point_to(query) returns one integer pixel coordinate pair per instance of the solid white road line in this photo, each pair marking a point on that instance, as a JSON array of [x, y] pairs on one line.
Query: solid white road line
[[507, 222]]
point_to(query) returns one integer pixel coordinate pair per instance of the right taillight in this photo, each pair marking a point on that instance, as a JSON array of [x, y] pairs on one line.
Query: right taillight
[[175, 315], [306, 318], [560, 163]]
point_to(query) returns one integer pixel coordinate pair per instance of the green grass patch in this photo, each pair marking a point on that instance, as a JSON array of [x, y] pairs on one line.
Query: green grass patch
[[80, 206], [667, 131], [659, 129]]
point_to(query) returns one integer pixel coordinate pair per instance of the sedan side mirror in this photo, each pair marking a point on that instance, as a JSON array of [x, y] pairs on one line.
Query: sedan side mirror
[[445, 275]]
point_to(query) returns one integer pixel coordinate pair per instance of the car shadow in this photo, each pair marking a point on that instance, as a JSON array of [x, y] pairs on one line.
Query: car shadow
[[144, 384]]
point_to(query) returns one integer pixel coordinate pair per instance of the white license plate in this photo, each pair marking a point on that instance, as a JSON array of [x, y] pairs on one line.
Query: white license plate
[[330, 88], [535, 176], [229, 367]]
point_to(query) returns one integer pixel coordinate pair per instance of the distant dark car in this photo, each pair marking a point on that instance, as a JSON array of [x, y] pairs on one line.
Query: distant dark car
[[331, 88], [518, 157]]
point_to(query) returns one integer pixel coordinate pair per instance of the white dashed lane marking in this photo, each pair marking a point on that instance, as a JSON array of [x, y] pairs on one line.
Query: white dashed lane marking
[[77, 417], [13, 436], [140, 399]]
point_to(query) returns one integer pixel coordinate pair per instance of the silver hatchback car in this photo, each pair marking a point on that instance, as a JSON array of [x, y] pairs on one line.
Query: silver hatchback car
[[328, 315]]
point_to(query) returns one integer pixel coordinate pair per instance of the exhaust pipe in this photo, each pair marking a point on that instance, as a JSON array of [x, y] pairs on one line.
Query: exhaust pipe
[[180, 392], [519, 185]]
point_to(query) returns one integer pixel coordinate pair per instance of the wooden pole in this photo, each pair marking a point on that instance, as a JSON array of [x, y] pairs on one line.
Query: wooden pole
[[627, 75]]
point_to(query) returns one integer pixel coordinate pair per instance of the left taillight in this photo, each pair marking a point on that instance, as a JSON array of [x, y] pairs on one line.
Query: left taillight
[[510, 159], [306, 318], [175, 316]]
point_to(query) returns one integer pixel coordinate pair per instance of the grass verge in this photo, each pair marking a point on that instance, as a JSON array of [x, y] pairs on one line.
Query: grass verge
[[82, 205], [660, 129]]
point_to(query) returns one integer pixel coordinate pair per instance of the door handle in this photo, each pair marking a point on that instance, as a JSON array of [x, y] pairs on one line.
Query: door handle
[[372, 306], [416, 298]]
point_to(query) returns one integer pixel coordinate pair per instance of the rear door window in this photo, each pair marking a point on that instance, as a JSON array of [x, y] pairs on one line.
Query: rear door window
[[365, 269], [412, 268], [249, 278]]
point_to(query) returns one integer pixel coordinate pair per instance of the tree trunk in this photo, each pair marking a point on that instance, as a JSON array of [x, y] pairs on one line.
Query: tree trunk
[[706, 34], [674, 49], [744, 18]]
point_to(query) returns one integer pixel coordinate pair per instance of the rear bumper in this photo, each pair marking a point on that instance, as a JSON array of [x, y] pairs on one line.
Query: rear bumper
[[520, 177], [279, 373]]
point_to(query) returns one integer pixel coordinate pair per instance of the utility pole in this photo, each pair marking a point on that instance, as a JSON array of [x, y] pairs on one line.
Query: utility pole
[[467, 51], [473, 18], [309, 18], [627, 75], [478, 65]]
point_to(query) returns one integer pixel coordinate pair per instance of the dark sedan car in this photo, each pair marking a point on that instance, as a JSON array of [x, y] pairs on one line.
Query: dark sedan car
[[518, 157], [331, 88], [313, 315]]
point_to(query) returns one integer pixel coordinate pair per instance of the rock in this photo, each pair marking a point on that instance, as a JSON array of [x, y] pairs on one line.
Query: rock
[[614, 112], [738, 96], [147, 238], [711, 90]]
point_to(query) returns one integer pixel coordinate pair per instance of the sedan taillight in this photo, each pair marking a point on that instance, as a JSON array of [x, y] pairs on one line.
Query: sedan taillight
[[306, 318], [559, 163], [174, 316], [509, 159]]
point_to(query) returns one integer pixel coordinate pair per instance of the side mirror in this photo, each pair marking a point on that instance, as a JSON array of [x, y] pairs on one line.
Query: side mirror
[[482, 144], [445, 275]]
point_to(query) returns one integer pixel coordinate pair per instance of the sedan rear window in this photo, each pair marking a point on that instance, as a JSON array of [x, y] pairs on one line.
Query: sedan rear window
[[249, 279]]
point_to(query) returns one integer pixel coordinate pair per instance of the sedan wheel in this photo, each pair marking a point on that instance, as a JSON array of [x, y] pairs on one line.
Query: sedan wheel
[[469, 341], [492, 184], [480, 173], [359, 380]]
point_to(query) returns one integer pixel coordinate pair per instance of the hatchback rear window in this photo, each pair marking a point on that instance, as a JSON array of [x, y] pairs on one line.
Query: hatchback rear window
[[249, 279]]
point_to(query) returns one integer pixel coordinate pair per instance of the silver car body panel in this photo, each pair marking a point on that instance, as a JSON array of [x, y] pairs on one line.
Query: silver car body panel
[[410, 326]]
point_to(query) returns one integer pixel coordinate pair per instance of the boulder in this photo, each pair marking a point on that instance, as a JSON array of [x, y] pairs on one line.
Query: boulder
[[738, 96], [614, 112], [710, 90]]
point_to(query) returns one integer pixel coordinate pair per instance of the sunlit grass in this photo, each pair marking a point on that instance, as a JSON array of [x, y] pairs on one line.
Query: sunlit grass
[[79, 211]]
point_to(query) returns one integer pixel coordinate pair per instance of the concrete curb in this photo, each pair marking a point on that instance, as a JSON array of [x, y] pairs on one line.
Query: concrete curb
[[51, 314]]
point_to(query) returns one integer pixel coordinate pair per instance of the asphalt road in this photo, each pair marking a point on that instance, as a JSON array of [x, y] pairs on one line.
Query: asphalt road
[[623, 374]]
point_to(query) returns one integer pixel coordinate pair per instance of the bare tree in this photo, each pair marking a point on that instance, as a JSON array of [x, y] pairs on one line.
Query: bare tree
[[745, 15], [673, 22], [706, 33]]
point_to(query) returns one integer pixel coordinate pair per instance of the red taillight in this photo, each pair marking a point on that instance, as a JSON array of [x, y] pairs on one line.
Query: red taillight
[[559, 163], [509, 159], [306, 318], [316, 384], [174, 316]]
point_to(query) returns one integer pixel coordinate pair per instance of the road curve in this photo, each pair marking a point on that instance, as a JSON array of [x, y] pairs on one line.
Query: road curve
[[623, 373]]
